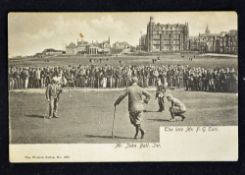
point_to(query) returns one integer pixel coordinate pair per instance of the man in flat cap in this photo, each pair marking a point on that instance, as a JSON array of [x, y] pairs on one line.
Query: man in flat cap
[[177, 108], [53, 92], [137, 96]]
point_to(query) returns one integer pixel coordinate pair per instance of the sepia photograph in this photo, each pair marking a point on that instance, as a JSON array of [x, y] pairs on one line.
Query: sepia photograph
[[142, 79]]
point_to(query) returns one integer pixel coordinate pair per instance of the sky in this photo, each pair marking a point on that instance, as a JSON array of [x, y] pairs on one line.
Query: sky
[[29, 33]]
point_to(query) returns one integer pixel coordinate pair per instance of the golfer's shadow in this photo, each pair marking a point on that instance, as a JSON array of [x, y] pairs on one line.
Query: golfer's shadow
[[159, 120], [107, 137], [34, 116], [149, 111]]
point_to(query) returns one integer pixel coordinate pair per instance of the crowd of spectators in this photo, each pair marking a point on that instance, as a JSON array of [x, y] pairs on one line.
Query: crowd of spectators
[[107, 76]]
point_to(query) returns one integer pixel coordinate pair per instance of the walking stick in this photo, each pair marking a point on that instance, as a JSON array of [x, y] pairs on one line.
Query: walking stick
[[47, 110], [114, 116]]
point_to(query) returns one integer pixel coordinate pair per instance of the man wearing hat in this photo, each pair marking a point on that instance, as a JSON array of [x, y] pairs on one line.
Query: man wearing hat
[[53, 92], [137, 96], [177, 108]]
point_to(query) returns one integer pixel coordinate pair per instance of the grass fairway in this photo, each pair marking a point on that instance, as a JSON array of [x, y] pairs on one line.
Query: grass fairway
[[167, 59], [86, 116]]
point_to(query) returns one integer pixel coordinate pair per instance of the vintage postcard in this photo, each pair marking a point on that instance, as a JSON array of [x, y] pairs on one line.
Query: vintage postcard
[[123, 86]]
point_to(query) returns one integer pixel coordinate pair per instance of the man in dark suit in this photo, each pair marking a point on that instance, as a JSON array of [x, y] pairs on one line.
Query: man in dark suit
[[137, 96], [53, 92]]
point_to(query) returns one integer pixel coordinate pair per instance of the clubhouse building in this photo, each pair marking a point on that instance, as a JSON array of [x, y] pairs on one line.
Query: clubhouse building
[[84, 47]]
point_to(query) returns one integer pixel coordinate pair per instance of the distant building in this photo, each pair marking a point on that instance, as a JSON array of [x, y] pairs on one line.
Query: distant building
[[38, 55], [165, 37], [71, 49], [49, 52], [228, 42], [121, 45], [92, 49], [52, 52], [81, 47], [193, 43], [84, 47], [224, 42], [105, 46], [142, 43], [208, 41]]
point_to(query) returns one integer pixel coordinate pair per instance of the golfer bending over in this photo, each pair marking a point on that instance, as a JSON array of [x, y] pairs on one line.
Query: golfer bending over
[[137, 96], [177, 108]]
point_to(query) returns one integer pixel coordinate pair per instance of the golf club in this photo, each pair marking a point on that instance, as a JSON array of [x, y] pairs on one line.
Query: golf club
[[114, 116]]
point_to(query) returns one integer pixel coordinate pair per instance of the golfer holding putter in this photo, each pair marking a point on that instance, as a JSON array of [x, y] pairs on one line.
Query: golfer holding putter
[[137, 96]]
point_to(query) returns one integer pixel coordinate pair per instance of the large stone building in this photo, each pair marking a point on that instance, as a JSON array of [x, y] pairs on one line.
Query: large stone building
[[204, 42], [224, 42], [228, 42], [142, 43], [175, 38], [165, 37]]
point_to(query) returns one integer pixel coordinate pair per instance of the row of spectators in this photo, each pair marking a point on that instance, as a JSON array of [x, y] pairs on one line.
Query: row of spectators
[[108, 76]]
